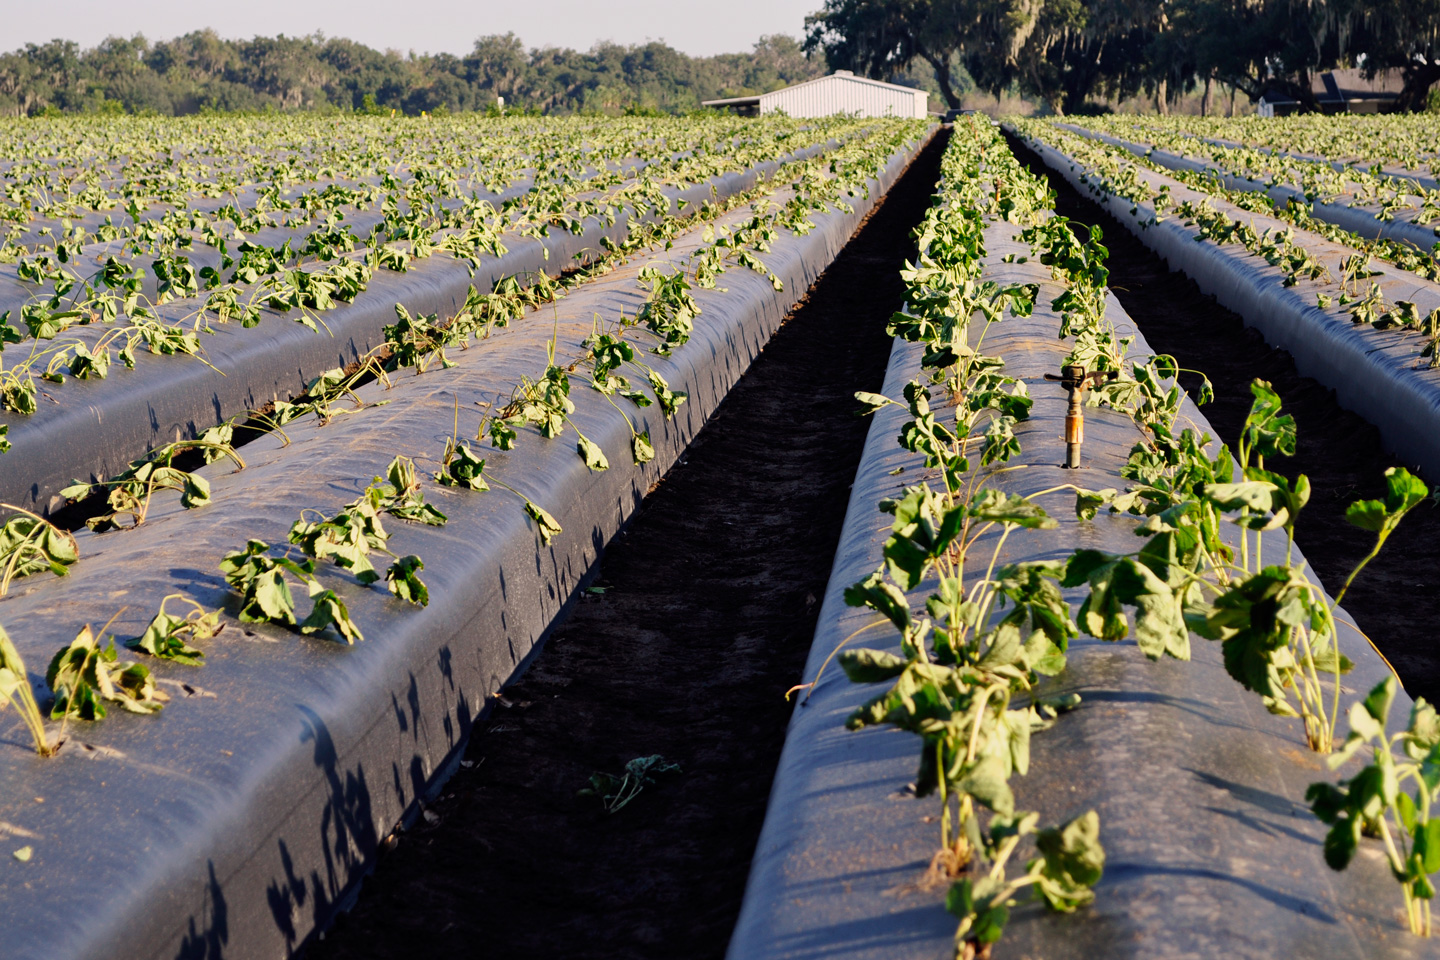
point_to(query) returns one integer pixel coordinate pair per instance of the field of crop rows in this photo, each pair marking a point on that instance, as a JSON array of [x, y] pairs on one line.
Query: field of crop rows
[[315, 430], [257, 377]]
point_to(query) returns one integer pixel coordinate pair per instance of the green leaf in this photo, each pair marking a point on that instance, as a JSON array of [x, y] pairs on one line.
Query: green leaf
[[591, 453], [1427, 845], [167, 633], [85, 675], [1378, 701], [330, 611], [195, 491], [404, 580], [29, 545], [1252, 494], [1044, 656], [1089, 502], [871, 666], [1403, 490], [502, 434], [1367, 515], [990, 923], [1081, 565], [883, 597], [1032, 588], [270, 599], [1117, 582], [1072, 862], [1010, 509], [1423, 732], [872, 402], [1405, 809], [461, 467], [988, 782], [549, 528], [1267, 431], [1255, 618], [669, 400], [641, 450], [982, 919]]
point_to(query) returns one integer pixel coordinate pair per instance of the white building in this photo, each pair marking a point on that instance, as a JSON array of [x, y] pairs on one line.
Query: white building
[[840, 92]]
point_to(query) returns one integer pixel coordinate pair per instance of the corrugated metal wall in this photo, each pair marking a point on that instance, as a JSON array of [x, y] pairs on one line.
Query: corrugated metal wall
[[837, 94]]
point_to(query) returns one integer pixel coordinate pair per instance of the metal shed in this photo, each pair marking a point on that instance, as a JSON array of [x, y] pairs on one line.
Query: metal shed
[[840, 92]]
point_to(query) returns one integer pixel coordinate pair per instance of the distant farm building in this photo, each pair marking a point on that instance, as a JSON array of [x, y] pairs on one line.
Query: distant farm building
[[1340, 91], [840, 92]]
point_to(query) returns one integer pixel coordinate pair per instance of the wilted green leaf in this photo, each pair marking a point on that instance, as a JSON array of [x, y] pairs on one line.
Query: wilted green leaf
[[330, 611], [404, 580], [871, 666], [548, 526]]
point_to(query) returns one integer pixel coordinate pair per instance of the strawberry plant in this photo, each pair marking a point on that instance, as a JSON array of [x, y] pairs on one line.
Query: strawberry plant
[[404, 581], [30, 544], [1276, 627], [266, 597], [168, 635], [86, 675], [260, 579], [131, 491], [461, 468]]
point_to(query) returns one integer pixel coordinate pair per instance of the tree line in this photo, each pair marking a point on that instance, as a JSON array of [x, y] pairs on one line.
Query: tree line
[[1066, 52], [204, 72]]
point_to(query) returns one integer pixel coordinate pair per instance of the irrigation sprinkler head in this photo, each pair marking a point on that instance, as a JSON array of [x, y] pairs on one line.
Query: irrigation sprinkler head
[[1074, 379]]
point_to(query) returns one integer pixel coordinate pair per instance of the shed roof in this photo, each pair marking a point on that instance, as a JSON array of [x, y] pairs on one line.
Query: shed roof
[[851, 77], [838, 74], [1353, 84]]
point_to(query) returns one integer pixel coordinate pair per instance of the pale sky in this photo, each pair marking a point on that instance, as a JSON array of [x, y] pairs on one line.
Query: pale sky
[[697, 28]]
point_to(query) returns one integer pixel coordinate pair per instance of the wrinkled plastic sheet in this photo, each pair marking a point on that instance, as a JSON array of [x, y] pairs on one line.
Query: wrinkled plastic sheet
[[361, 223], [1400, 173], [1378, 374], [241, 818], [1357, 219], [1211, 852], [92, 429]]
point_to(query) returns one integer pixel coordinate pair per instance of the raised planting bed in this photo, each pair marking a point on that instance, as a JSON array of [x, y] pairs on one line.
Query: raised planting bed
[[1402, 146], [1359, 218], [1179, 802], [1296, 303], [252, 806], [1399, 173], [91, 429]]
